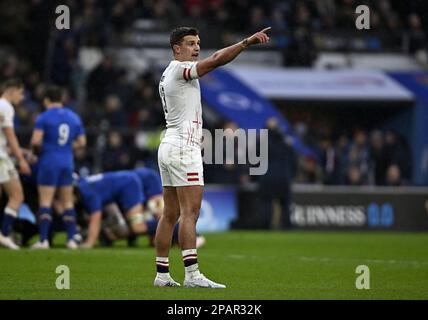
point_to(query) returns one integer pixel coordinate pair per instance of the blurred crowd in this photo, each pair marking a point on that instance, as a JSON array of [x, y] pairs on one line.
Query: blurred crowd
[[114, 113], [99, 24], [362, 158], [124, 118]]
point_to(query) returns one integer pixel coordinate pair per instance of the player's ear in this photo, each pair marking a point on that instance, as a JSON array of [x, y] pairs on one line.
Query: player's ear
[[176, 48]]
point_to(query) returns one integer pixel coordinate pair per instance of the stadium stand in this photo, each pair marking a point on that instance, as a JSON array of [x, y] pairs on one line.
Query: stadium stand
[[109, 96]]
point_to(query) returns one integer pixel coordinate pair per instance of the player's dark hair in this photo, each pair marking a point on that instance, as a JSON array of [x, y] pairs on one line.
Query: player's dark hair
[[11, 83], [53, 93], [177, 35]]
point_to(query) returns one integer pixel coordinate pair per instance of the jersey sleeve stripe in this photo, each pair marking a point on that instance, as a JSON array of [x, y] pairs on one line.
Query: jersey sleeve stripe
[[188, 74], [184, 74]]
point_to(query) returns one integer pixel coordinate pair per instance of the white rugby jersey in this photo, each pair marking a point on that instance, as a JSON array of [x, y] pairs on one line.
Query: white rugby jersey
[[7, 112], [181, 100]]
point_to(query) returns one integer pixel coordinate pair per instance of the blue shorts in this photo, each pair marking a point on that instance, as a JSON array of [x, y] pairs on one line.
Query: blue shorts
[[54, 175], [130, 193]]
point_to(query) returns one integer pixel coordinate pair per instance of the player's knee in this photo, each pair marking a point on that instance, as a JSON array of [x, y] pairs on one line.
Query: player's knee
[[191, 211], [135, 219], [189, 218], [170, 217]]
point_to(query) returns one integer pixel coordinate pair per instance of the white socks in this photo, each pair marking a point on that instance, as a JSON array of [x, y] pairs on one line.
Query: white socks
[[191, 267]]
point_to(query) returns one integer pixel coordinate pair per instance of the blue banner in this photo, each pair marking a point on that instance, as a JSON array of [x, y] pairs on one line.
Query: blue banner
[[235, 101], [417, 83]]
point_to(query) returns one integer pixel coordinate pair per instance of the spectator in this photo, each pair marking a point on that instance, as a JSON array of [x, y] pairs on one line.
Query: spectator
[[116, 155], [123, 14], [354, 177], [239, 11], [278, 19], [301, 51], [217, 14], [345, 14], [257, 20], [394, 31], [417, 37], [359, 156], [393, 176], [342, 149], [229, 171], [113, 113], [275, 185], [397, 152], [122, 89], [308, 172], [329, 162], [195, 16], [146, 111], [166, 12], [101, 78], [378, 157], [64, 61]]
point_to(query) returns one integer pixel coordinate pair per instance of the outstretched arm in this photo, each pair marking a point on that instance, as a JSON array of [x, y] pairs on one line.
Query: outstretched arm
[[225, 55], [94, 229]]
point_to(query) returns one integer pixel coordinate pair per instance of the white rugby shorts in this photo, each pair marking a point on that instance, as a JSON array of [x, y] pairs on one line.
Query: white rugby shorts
[[180, 166], [7, 170]]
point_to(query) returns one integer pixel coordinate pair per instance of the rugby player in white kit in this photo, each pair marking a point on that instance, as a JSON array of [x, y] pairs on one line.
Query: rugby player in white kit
[[12, 94], [179, 154]]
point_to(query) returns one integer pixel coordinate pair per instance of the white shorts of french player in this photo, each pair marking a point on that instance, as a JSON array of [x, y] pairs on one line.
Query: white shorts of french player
[[7, 170], [180, 166]]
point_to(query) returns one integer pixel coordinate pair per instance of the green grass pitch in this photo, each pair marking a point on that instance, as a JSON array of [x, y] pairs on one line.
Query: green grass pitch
[[253, 264]]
